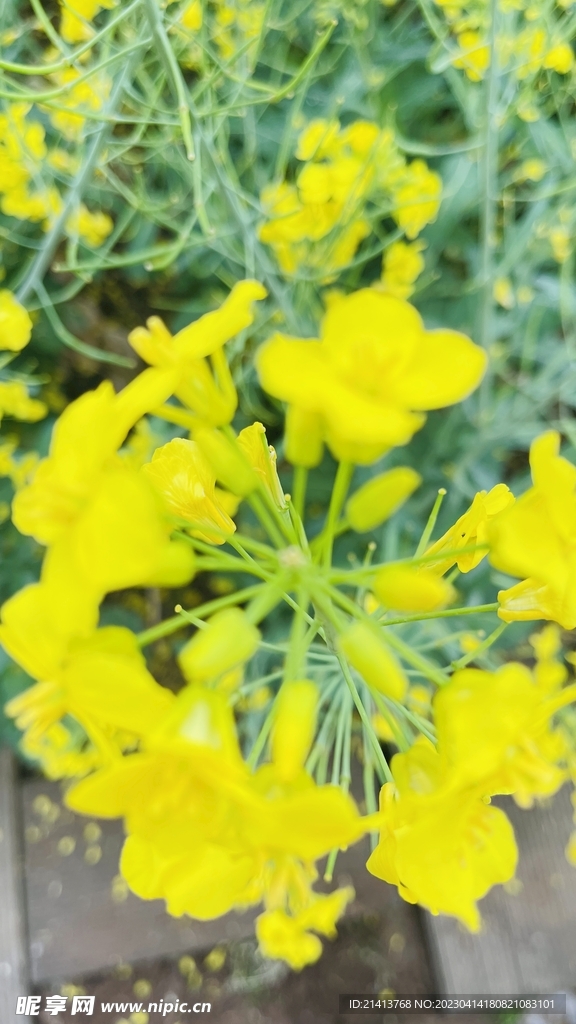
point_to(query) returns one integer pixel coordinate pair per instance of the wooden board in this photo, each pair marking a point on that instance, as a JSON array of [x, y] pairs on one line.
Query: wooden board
[[13, 958], [528, 942]]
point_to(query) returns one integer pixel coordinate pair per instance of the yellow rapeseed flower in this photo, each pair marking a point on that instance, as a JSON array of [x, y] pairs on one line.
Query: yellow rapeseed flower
[[88, 94], [74, 17], [536, 539], [207, 835], [474, 57], [15, 401], [416, 198], [93, 228], [97, 676], [364, 386], [443, 848], [470, 530], [209, 394], [95, 510], [401, 265], [512, 751], [184, 477]]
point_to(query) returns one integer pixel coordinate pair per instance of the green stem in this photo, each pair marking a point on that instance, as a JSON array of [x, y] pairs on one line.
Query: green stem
[[489, 182], [446, 613], [299, 484], [400, 738], [174, 73], [369, 787], [44, 256], [337, 499], [472, 655], [261, 739], [427, 532], [169, 626], [266, 520], [428, 668], [300, 638], [71, 341], [70, 59], [381, 761]]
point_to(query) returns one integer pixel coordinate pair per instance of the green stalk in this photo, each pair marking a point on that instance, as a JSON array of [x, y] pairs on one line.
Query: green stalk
[[489, 183], [299, 484], [428, 668], [262, 738], [266, 520], [173, 72], [169, 626], [427, 532], [445, 613], [381, 761], [42, 260], [337, 499], [472, 655]]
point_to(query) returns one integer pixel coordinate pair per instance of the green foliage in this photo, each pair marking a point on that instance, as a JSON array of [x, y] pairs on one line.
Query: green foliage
[[185, 229]]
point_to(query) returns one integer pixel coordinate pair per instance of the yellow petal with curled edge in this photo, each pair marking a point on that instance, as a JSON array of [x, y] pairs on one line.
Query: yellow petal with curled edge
[[409, 589], [183, 476], [262, 457], [367, 652], [449, 858], [113, 791], [323, 913], [294, 725], [376, 500]]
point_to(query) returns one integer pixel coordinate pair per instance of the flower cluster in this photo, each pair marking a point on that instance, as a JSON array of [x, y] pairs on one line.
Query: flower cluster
[[15, 400], [218, 816], [531, 39], [350, 176], [24, 158]]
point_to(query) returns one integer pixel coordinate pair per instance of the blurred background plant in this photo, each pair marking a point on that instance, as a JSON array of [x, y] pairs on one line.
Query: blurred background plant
[[152, 155]]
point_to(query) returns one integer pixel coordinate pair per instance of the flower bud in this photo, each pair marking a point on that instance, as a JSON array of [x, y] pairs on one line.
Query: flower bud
[[228, 462], [262, 458], [367, 652], [294, 727], [407, 589], [377, 499], [228, 640]]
